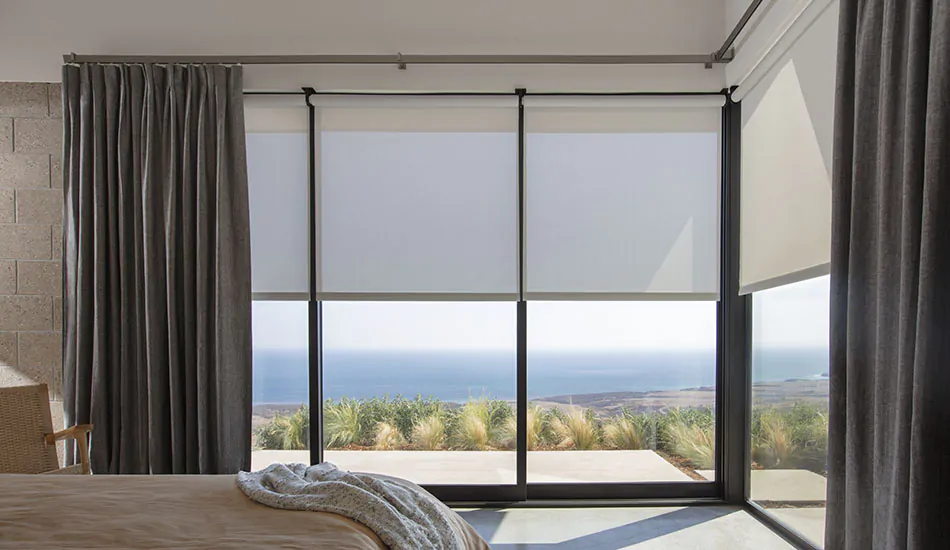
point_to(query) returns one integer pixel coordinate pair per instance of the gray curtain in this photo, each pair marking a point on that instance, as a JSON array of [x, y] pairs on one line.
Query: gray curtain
[[157, 276], [889, 463]]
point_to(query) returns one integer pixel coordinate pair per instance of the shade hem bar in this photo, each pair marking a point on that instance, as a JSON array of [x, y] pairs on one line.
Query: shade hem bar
[[788, 278], [624, 296], [279, 296], [416, 297]]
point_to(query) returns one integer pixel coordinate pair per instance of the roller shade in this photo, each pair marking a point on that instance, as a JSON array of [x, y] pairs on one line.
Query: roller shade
[[418, 198], [622, 198], [277, 163], [787, 135], [270, 114]]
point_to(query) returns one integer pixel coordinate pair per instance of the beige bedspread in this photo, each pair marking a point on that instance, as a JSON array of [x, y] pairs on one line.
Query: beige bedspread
[[165, 512]]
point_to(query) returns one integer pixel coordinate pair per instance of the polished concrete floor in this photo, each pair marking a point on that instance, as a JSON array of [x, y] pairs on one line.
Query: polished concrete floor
[[699, 527]]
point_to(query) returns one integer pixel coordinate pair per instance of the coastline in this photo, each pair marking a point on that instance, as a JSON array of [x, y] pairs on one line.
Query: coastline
[[775, 394]]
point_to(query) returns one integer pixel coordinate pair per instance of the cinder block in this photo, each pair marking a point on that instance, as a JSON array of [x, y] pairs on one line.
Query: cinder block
[[39, 278], [24, 242], [57, 314], [7, 206], [26, 313], [6, 135], [38, 135], [14, 376], [56, 237], [40, 206], [29, 99], [56, 410], [56, 170], [55, 92], [11, 376], [7, 350], [7, 277], [40, 356], [24, 170]]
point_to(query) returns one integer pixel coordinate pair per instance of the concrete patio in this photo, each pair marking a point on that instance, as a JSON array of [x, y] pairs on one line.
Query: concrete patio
[[493, 467], [787, 486]]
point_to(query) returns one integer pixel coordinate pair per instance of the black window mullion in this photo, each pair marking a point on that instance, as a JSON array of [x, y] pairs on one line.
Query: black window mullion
[[315, 308], [733, 418], [521, 404]]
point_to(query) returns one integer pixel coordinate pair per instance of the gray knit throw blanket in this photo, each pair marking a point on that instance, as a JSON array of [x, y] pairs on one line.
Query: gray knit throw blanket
[[402, 516]]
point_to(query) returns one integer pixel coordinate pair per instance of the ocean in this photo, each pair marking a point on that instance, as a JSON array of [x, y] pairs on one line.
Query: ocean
[[281, 376]]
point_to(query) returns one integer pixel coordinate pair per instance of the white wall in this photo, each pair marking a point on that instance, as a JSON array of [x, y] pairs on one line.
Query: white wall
[[35, 33], [775, 25]]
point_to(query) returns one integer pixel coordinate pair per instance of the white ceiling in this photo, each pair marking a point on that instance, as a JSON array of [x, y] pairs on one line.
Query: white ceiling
[[34, 34]]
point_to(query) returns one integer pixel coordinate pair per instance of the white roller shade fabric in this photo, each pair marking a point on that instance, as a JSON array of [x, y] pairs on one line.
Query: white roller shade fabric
[[277, 163], [622, 198], [418, 198], [787, 135]]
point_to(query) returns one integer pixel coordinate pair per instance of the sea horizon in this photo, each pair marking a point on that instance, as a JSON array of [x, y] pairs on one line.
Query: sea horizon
[[281, 377]]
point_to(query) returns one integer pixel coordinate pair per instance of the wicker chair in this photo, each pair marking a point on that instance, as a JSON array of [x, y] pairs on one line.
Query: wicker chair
[[27, 440]]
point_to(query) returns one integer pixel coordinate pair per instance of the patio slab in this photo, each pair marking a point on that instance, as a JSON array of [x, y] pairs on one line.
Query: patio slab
[[783, 485], [493, 467]]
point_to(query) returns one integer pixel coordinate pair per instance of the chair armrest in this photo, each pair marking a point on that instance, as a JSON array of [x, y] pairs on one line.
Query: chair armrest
[[75, 432], [80, 433]]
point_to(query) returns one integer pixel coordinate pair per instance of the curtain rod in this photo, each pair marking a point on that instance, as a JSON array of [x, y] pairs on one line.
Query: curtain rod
[[312, 91], [402, 60], [743, 21], [723, 55]]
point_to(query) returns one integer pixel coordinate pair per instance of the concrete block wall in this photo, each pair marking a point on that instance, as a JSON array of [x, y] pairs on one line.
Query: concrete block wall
[[31, 213]]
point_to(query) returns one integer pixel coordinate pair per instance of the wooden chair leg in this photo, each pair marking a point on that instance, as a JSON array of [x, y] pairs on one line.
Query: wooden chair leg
[[83, 452]]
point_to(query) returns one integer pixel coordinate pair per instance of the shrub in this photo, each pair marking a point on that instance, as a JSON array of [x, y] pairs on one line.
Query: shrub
[[575, 429], [405, 413], [692, 442], [270, 435], [539, 431], [429, 434], [774, 446], [344, 423], [473, 425], [286, 432], [388, 437], [629, 432], [795, 437]]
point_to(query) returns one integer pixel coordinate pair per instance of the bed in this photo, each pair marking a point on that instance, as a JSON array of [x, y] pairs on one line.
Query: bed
[[167, 512]]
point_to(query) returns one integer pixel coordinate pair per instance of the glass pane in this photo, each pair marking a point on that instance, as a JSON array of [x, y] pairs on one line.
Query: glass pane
[[424, 391], [643, 211], [419, 212], [621, 391], [277, 186], [281, 413], [790, 404]]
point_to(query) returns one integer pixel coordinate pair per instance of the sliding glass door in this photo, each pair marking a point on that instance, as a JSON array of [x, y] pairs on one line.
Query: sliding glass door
[[622, 215], [497, 297]]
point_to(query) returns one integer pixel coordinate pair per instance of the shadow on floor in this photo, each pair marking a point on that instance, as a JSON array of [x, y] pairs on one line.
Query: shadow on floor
[[487, 522]]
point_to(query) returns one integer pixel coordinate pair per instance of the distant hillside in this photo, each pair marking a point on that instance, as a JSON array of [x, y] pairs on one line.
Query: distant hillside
[[779, 394]]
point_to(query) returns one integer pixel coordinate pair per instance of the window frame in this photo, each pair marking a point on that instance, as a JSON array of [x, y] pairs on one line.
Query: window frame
[[733, 346]]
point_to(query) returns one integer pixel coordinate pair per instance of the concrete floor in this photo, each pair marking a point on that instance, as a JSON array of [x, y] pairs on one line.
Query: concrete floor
[[700, 527], [493, 467], [808, 522], [706, 527]]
